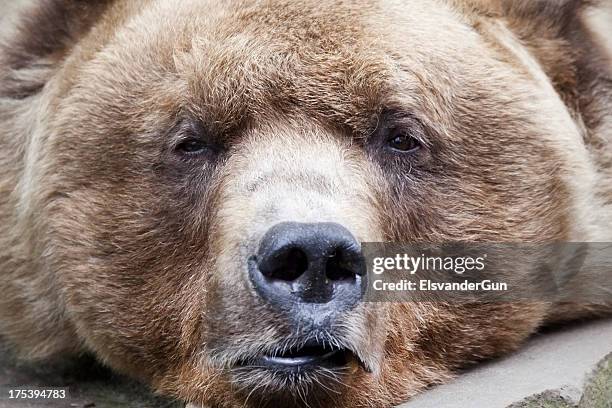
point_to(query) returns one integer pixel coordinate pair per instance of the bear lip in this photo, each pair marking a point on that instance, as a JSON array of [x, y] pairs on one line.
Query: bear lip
[[310, 355]]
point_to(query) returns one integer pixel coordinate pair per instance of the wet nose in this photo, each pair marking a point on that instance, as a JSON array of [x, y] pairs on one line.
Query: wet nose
[[309, 263]]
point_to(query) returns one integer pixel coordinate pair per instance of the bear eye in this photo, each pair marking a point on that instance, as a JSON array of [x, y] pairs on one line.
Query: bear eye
[[191, 147], [402, 142]]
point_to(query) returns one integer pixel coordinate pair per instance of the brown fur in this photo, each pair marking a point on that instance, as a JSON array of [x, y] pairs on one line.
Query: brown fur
[[111, 243]]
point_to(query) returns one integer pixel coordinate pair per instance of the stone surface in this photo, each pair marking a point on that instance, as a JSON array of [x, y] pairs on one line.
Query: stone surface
[[557, 369]]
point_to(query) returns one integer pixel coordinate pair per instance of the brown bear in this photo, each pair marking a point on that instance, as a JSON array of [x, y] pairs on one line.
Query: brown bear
[[185, 185]]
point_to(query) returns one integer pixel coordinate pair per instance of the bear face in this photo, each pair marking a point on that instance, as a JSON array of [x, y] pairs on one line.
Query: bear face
[[177, 141]]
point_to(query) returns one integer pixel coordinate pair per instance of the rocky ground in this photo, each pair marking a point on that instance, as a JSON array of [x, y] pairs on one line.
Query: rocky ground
[[569, 367]]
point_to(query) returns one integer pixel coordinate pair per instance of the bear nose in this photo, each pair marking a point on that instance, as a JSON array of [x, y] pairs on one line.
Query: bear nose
[[309, 263]]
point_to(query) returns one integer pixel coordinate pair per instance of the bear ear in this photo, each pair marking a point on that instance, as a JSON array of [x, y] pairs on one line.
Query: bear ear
[[42, 34], [562, 37], [551, 18]]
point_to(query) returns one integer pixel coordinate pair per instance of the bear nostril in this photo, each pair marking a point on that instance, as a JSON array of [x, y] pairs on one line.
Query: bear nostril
[[339, 266], [289, 265]]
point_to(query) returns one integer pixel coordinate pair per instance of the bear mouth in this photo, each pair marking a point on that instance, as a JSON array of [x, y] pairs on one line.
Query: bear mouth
[[309, 356]]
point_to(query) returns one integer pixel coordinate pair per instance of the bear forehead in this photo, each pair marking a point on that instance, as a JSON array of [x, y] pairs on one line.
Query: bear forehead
[[339, 61]]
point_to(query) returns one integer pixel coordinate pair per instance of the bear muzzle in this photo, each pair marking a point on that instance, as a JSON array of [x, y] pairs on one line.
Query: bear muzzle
[[312, 273]]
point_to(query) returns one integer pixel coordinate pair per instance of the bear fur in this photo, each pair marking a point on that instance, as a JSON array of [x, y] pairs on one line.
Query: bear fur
[[114, 244]]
